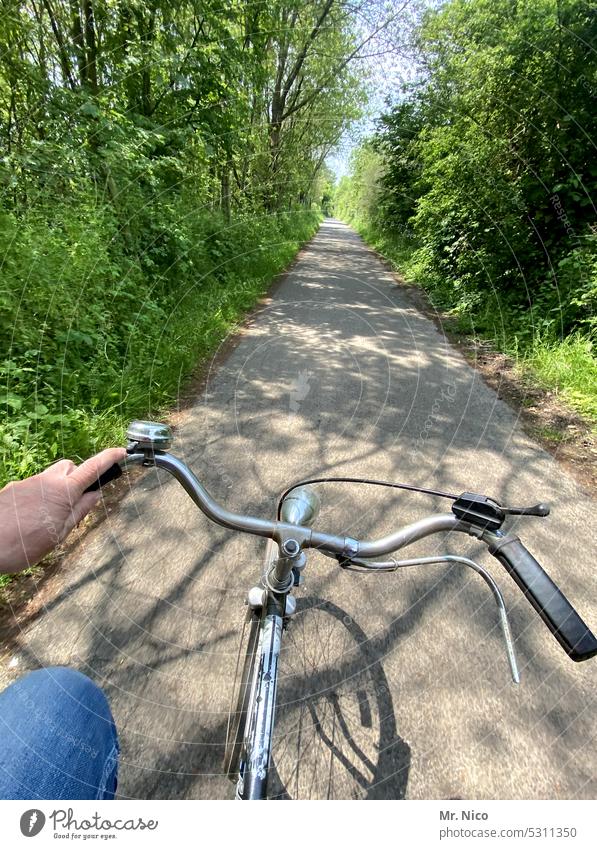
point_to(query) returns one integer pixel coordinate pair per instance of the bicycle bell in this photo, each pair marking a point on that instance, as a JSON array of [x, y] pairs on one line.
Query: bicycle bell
[[153, 435]]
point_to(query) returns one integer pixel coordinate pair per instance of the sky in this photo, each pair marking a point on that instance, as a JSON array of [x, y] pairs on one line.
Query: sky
[[388, 70]]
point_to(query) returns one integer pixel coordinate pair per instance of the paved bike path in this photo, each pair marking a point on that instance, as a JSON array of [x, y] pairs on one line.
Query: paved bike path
[[392, 685]]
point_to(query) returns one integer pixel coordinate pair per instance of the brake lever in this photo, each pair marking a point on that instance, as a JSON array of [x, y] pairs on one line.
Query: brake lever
[[540, 509], [393, 565]]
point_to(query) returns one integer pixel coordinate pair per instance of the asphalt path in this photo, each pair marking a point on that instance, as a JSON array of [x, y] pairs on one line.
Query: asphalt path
[[393, 685]]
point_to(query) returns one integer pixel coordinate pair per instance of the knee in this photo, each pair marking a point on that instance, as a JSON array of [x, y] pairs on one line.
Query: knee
[[70, 680], [57, 726], [60, 686]]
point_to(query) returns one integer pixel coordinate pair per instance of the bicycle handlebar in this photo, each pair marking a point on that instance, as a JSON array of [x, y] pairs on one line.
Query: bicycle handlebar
[[546, 597], [552, 605], [307, 537]]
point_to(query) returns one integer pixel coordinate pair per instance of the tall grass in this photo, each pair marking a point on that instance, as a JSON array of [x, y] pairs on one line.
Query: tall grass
[[93, 334], [565, 365], [568, 365]]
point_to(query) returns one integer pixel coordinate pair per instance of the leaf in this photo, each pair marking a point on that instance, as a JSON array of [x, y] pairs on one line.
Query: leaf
[[90, 109], [14, 401]]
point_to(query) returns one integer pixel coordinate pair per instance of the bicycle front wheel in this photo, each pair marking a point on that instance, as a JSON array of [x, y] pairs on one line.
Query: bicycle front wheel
[[335, 734]]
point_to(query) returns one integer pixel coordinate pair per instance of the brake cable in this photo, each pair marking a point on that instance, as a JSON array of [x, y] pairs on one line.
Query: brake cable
[[469, 506], [368, 481]]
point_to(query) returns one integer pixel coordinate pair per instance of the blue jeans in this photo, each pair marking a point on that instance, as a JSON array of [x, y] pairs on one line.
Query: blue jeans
[[57, 738]]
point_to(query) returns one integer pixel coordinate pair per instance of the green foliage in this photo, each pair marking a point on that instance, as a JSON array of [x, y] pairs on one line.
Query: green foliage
[[486, 178], [568, 365], [357, 197], [90, 342], [158, 166]]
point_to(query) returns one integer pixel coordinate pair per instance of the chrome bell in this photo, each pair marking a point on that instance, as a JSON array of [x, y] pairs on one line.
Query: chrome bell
[[154, 435]]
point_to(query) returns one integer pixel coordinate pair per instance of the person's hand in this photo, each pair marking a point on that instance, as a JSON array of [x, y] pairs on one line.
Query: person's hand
[[37, 513]]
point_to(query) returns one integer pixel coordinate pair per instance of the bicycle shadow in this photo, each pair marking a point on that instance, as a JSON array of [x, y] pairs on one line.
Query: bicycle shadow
[[336, 734]]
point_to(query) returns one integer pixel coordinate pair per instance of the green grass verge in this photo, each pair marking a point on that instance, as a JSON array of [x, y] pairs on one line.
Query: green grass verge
[[95, 337], [567, 366], [84, 357]]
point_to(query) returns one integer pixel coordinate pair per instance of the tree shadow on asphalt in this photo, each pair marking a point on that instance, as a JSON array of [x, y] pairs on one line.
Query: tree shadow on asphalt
[[365, 759], [161, 636]]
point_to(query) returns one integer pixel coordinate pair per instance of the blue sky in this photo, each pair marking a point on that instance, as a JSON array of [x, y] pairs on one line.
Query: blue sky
[[387, 72]]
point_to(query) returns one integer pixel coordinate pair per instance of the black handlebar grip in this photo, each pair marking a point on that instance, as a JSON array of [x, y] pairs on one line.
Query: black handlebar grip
[[111, 474], [550, 603]]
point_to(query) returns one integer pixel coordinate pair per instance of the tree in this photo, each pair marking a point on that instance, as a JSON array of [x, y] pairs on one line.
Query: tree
[[489, 157]]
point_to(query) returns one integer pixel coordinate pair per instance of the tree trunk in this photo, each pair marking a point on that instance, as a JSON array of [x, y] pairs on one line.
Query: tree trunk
[[91, 51], [225, 191], [78, 41], [62, 54], [146, 29]]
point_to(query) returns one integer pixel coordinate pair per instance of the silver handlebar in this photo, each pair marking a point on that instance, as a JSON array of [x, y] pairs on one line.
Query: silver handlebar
[[280, 531], [148, 445]]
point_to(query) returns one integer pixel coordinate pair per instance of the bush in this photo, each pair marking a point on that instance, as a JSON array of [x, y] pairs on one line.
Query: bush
[[93, 335]]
